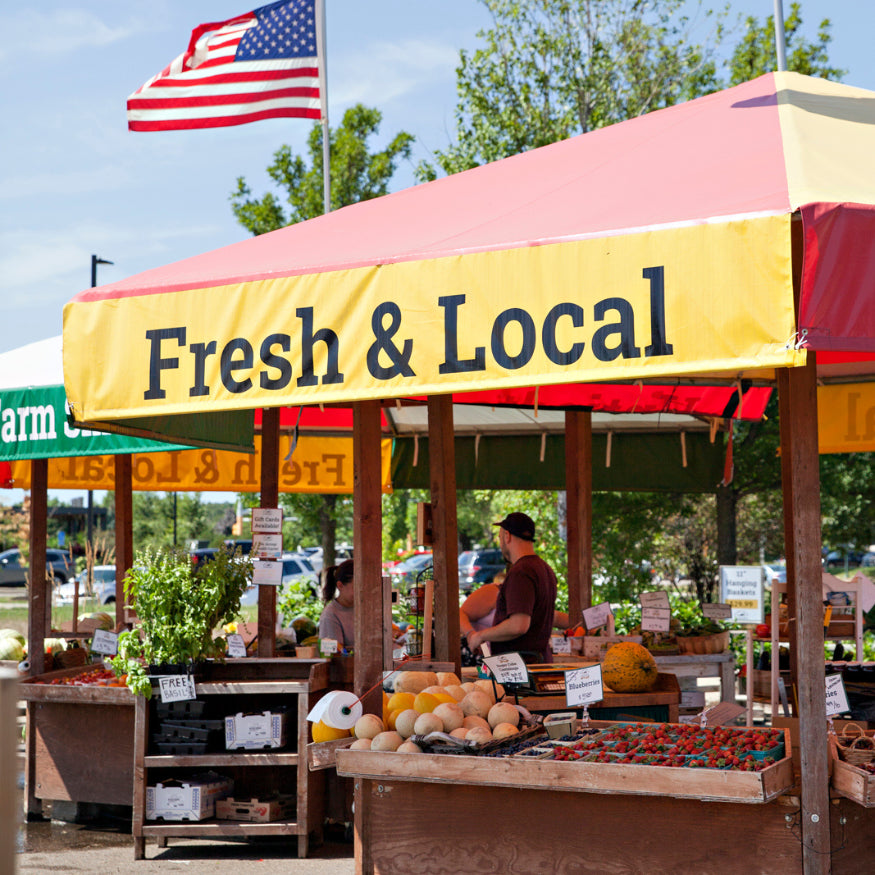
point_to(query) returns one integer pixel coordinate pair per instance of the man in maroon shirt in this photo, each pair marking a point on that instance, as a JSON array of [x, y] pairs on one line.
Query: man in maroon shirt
[[526, 599]]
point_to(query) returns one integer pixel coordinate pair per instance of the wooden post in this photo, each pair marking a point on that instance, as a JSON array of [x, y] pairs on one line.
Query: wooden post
[[578, 510], [368, 554], [124, 528], [802, 503], [442, 461], [270, 472], [8, 769], [39, 618]]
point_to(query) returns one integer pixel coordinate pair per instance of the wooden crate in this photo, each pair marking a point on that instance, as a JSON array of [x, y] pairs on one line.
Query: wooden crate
[[705, 784], [849, 781]]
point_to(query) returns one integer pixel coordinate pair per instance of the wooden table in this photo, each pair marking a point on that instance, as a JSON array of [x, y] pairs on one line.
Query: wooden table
[[707, 665]]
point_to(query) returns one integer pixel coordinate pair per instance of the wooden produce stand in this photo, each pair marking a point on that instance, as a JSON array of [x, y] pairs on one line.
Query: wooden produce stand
[[245, 685], [80, 742]]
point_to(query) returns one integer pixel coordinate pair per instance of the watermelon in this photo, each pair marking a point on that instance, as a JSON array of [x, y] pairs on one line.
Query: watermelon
[[55, 645], [10, 648], [13, 633]]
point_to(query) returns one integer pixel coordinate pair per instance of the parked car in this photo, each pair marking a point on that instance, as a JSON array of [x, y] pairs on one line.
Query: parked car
[[202, 555], [404, 573], [868, 560], [13, 572], [838, 559], [103, 586], [296, 566], [775, 572], [479, 566]]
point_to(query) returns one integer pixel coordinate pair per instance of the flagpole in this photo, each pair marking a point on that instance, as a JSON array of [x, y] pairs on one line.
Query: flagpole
[[780, 45], [323, 92]]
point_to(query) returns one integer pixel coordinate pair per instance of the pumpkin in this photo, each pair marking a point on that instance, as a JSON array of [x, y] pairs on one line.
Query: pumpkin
[[629, 668]]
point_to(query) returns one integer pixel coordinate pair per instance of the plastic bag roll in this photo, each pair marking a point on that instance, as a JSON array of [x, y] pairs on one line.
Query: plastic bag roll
[[337, 708]]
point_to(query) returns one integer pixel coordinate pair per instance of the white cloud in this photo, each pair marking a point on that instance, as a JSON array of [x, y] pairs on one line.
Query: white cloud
[[60, 32]]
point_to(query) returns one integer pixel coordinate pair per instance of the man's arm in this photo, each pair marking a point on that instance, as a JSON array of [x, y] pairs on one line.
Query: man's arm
[[508, 629]]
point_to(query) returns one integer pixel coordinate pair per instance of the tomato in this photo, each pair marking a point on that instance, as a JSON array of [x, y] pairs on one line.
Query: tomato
[[764, 630]]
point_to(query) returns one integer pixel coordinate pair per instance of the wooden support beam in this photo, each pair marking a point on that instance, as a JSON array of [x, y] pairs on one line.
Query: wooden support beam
[[270, 472], [578, 509], [367, 542], [442, 460], [802, 504], [39, 618], [124, 530]]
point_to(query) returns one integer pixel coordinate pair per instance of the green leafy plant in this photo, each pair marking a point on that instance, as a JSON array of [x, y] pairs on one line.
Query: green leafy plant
[[179, 609]]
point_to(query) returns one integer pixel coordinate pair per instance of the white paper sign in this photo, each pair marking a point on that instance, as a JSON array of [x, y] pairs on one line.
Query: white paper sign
[[716, 610], [508, 668], [741, 587], [327, 646], [560, 644], [656, 599], [236, 647], [267, 546], [596, 616], [836, 697], [176, 687], [267, 519], [267, 572], [655, 619], [104, 642], [583, 686]]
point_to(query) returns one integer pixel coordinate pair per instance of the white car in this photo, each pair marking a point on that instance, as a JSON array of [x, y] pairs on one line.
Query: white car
[[296, 566], [103, 587]]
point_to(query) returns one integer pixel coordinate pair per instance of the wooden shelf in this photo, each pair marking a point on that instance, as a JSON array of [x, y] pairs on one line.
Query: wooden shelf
[[209, 760], [211, 828]]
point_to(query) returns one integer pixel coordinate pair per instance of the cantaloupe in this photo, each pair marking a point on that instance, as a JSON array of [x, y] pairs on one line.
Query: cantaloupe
[[414, 681], [451, 715], [479, 735], [409, 747], [494, 691], [405, 722], [368, 725], [629, 668], [473, 720], [461, 732], [503, 712], [504, 730], [426, 723], [448, 678], [361, 744], [456, 691], [386, 741], [476, 702]]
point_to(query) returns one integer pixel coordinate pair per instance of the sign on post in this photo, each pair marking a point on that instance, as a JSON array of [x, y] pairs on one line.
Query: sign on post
[[583, 686], [716, 611], [836, 696], [741, 587], [508, 668], [596, 616]]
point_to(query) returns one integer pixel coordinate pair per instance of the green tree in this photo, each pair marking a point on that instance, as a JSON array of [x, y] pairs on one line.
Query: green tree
[[357, 174], [549, 69], [755, 54]]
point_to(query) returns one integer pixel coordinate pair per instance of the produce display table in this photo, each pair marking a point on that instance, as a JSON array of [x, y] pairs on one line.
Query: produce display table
[[706, 665], [665, 696]]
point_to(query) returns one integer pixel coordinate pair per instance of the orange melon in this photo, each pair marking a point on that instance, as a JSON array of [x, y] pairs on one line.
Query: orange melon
[[629, 668]]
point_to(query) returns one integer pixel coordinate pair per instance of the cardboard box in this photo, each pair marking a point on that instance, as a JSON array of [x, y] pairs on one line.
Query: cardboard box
[[193, 798], [596, 646], [256, 731], [255, 810]]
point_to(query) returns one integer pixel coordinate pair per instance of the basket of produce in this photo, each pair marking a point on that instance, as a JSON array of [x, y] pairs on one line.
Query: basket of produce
[[854, 746]]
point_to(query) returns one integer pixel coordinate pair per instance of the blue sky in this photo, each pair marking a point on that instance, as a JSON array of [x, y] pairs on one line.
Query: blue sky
[[74, 181]]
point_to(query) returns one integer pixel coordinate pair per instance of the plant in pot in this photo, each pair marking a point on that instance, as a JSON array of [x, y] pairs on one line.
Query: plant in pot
[[179, 609], [702, 635]]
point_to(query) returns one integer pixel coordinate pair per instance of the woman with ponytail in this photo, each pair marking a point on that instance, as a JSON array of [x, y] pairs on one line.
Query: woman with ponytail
[[337, 620]]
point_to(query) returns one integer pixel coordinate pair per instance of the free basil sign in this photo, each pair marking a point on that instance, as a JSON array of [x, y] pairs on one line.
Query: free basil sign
[[176, 687], [583, 686]]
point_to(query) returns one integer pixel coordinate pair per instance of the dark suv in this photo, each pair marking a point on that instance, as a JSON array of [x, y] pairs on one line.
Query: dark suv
[[479, 566], [59, 564]]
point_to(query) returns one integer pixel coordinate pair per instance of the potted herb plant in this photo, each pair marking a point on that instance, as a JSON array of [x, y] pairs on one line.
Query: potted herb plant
[[179, 609]]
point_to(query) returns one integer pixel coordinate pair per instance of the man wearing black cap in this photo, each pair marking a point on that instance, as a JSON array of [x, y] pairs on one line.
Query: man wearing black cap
[[526, 599]]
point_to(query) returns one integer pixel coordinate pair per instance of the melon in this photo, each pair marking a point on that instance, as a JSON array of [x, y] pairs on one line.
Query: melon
[[10, 648], [629, 668], [504, 730], [479, 735], [461, 732], [472, 720], [456, 691], [426, 723], [448, 678], [414, 681], [368, 725], [386, 741], [405, 722], [361, 744], [450, 715], [55, 645], [495, 692], [503, 712], [409, 747], [13, 633], [476, 702], [323, 732]]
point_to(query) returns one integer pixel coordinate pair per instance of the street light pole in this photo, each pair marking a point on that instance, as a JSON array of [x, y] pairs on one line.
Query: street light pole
[[89, 559]]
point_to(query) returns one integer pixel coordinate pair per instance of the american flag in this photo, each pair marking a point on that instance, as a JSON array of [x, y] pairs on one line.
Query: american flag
[[264, 64]]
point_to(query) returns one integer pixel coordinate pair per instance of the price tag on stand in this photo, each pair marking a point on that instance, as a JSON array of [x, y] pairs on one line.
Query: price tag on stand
[[267, 572], [327, 646], [508, 668], [560, 644], [655, 619], [267, 520], [596, 616], [741, 587], [836, 696], [176, 687], [104, 642], [656, 599], [583, 686], [236, 647], [716, 611]]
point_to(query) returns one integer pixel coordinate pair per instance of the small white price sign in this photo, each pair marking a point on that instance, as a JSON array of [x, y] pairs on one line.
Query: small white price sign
[[327, 646], [583, 686], [176, 687], [508, 668], [716, 611], [104, 642], [836, 697], [236, 647], [741, 587], [655, 619], [596, 616], [656, 599], [560, 644], [267, 572], [267, 519], [267, 546]]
